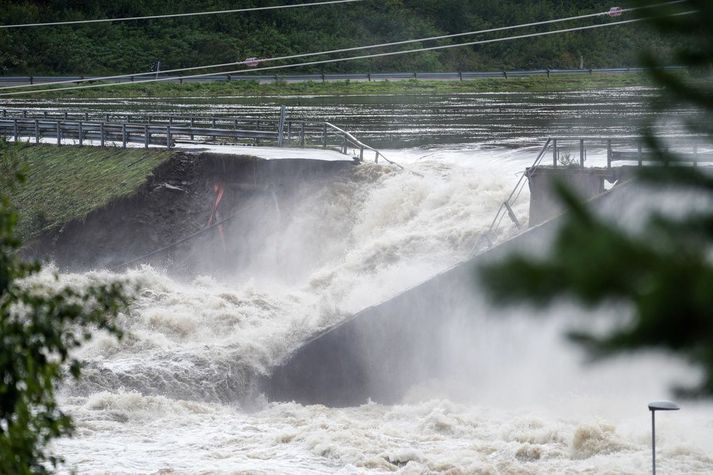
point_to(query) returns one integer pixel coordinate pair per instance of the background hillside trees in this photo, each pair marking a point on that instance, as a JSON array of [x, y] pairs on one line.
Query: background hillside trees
[[134, 46]]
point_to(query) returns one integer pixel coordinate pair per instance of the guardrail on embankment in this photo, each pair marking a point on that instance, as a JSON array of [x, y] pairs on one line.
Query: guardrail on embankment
[[168, 130], [326, 77]]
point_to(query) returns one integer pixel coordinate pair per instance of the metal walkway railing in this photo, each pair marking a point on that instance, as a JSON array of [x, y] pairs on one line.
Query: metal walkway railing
[[484, 240]]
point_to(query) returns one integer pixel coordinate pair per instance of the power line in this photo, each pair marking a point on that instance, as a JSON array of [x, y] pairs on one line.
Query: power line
[[178, 15], [350, 58], [344, 50]]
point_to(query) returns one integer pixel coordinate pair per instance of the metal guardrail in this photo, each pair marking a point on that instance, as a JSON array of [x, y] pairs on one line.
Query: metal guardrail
[[123, 133], [484, 240], [168, 132], [629, 148], [349, 139], [329, 77]]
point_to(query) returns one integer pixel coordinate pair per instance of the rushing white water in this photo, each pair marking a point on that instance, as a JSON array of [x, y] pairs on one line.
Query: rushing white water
[[175, 395]]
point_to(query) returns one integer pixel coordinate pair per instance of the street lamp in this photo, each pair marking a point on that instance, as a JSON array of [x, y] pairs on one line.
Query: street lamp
[[653, 407]]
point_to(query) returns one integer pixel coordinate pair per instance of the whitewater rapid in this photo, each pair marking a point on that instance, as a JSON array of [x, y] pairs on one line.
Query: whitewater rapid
[[177, 394]]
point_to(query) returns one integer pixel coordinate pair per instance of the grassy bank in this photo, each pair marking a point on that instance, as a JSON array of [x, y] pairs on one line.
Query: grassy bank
[[65, 183], [252, 88]]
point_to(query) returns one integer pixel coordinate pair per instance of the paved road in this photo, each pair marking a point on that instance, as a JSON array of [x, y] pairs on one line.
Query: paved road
[[317, 77]]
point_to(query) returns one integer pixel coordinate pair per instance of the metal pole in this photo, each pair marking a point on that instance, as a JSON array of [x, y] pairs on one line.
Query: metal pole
[[653, 442], [59, 134], [168, 137], [146, 136], [609, 157], [17, 133], [324, 136], [554, 152], [37, 131], [81, 140], [581, 153], [123, 134], [101, 133], [653, 407]]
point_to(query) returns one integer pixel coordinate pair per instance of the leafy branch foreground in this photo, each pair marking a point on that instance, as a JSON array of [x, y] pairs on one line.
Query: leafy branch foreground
[[38, 330], [664, 271]]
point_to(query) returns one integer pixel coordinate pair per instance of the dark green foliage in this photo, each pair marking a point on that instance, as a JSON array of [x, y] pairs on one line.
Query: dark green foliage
[[664, 271], [38, 330], [134, 46]]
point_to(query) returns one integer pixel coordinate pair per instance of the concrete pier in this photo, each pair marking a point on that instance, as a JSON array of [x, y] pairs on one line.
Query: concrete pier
[[583, 182]]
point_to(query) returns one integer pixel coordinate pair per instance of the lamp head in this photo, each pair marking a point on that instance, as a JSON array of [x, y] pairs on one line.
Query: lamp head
[[663, 406]]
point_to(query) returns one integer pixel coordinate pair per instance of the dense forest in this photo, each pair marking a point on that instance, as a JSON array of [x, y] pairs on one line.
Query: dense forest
[[108, 48]]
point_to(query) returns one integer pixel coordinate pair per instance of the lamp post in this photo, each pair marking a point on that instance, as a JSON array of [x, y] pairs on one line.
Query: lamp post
[[653, 407]]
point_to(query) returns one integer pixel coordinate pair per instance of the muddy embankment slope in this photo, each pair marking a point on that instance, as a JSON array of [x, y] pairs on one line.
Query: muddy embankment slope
[[184, 196]]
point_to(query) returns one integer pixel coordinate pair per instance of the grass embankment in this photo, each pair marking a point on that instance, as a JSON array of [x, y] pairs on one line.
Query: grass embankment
[[66, 183], [252, 88]]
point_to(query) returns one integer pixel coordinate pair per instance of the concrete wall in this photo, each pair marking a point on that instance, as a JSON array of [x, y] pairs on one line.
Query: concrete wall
[[584, 182], [384, 351]]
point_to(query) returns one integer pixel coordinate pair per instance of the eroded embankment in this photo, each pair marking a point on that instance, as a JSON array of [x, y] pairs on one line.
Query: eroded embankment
[[183, 196]]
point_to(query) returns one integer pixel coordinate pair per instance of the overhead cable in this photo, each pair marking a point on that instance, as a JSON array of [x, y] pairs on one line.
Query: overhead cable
[[179, 15], [343, 50], [349, 58]]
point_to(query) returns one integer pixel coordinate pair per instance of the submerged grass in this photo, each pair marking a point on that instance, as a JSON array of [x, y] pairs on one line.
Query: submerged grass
[[411, 86], [66, 183]]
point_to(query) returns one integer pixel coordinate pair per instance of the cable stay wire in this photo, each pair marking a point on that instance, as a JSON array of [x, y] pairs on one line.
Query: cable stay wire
[[179, 15], [342, 50], [349, 58]]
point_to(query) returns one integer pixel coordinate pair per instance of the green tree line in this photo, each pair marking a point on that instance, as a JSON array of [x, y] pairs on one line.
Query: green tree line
[[110, 48]]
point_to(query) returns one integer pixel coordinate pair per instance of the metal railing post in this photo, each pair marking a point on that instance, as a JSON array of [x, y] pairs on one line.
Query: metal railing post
[[16, 131], [59, 134], [581, 153], [101, 134], [168, 137], [123, 134], [324, 135], [146, 136], [609, 153], [37, 131], [554, 152], [302, 134], [281, 126], [81, 139]]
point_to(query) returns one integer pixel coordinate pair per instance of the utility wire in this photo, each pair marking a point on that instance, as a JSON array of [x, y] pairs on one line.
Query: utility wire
[[178, 15], [349, 58], [345, 50]]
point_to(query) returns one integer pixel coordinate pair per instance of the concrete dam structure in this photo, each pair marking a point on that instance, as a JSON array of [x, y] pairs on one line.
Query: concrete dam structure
[[387, 351]]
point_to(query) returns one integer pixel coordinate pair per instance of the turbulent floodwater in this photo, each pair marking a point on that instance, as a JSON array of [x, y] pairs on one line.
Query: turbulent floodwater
[[175, 395]]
